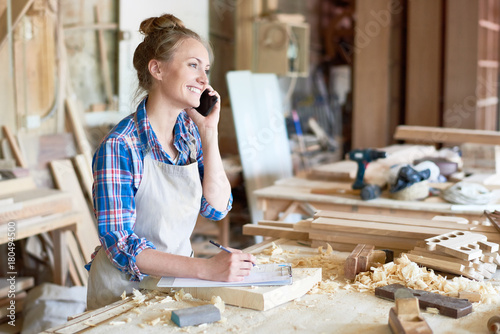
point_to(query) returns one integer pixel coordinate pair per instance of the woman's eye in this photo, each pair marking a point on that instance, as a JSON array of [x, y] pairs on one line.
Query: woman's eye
[[193, 65]]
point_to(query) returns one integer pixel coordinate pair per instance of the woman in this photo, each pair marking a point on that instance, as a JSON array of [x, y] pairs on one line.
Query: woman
[[157, 170]]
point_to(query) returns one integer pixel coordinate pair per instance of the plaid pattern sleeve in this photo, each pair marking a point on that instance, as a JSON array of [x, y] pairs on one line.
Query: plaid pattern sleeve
[[115, 163]]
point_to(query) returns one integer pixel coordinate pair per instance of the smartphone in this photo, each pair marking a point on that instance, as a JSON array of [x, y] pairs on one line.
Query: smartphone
[[207, 102]]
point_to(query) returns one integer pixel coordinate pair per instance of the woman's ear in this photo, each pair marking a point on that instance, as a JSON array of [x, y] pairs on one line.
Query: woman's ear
[[154, 67]]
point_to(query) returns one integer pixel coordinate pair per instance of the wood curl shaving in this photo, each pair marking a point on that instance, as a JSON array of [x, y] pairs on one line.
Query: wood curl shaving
[[402, 271]]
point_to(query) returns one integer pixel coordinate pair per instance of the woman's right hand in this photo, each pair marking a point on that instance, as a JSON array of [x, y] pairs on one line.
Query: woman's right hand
[[229, 267]]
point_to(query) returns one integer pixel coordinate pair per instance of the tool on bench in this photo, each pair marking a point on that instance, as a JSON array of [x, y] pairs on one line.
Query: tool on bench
[[448, 306], [405, 317], [363, 158], [362, 258], [192, 316]]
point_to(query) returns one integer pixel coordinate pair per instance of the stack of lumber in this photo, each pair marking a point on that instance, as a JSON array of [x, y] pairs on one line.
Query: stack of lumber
[[345, 230], [9, 288], [458, 252]]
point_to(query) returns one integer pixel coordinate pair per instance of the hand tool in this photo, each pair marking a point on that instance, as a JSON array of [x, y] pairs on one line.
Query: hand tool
[[448, 306], [363, 158], [196, 315], [405, 317]]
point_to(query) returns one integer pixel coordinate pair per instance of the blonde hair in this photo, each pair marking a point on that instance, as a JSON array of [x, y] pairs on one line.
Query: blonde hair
[[163, 35]]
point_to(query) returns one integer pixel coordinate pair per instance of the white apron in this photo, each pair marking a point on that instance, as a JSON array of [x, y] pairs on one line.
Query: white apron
[[167, 205]]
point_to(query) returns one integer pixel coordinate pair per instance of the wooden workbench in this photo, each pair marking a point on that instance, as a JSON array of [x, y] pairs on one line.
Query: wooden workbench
[[344, 311], [293, 195]]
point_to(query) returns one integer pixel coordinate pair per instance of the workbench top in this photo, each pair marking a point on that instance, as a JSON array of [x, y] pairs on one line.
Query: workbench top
[[343, 311]]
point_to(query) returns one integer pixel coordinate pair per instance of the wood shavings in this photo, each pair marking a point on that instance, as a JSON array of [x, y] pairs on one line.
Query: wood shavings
[[154, 321], [408, 273], [219, 303], [165, 299], [90, 324], [432, 310], [138, 296], [117, 323], [274, 250], [124, 295], [181, 295]]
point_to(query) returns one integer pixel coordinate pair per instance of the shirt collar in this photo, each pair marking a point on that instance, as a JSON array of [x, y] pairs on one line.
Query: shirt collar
[[147, 136]]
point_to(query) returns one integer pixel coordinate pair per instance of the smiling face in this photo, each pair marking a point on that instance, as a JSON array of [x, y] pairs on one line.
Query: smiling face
[[182, 79]]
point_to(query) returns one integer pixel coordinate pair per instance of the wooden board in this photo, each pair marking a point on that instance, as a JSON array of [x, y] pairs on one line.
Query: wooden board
[[22, 284], [16, 185], [274, 231], [423, 87], [446, 135], [35, 202], [19, 8], [65, 178], [14, 147], [263, 298], [371, 104]]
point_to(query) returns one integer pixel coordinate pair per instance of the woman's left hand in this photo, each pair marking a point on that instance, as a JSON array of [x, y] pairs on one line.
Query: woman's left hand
[[212, 119]]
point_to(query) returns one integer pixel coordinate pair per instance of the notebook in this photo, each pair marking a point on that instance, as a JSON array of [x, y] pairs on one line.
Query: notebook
[[260, 275]]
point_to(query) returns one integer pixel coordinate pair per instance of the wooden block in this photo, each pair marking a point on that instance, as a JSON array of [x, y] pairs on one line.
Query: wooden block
[[473, 297], [459, 244], [488, 247], [363, 259], [351, 263], [264, 297], [412, 323]]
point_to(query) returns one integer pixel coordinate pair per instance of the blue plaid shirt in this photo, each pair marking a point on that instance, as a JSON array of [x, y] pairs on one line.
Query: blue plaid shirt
[[117, 169]]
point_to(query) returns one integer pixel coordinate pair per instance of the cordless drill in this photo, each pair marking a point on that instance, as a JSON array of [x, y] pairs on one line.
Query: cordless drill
[[363, 157]]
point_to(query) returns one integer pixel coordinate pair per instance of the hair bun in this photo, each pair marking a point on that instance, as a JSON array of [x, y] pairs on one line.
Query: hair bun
[[160, 23]]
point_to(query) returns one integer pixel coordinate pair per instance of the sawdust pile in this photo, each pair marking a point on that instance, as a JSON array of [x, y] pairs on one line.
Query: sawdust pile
[[401, 271]]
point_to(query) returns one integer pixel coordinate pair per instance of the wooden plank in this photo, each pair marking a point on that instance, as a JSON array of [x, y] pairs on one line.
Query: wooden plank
[[423, 88], [246, 11], [84, 174], [460, 64], [16, 185], [74, 114], [276, 223], [35, 202], [275, 232], [364, 227], [14, 146], [446, 135], [65, 179], [441, 224], [78, 258], [265, 297], [376, 240], [372, 48], [103, 57], [19, 9], [451, 267], [21, 284]]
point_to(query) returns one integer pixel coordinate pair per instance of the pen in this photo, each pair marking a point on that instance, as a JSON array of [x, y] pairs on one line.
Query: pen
[[223, 248], [220, 246]]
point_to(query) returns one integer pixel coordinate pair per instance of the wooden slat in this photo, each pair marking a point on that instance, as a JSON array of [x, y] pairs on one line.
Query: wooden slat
[[35, 202], [275, 232], [14, 146], [376, 240], [16, 185], [65, 179], [446, 135], [103, 57], [423, 87], [405, 221], [21, 284], [371, 105]]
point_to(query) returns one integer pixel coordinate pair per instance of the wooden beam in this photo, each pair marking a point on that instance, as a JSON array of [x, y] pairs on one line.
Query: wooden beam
[[274, 231], [19, 8], [446, 135], [14, 146], [423, 87]]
